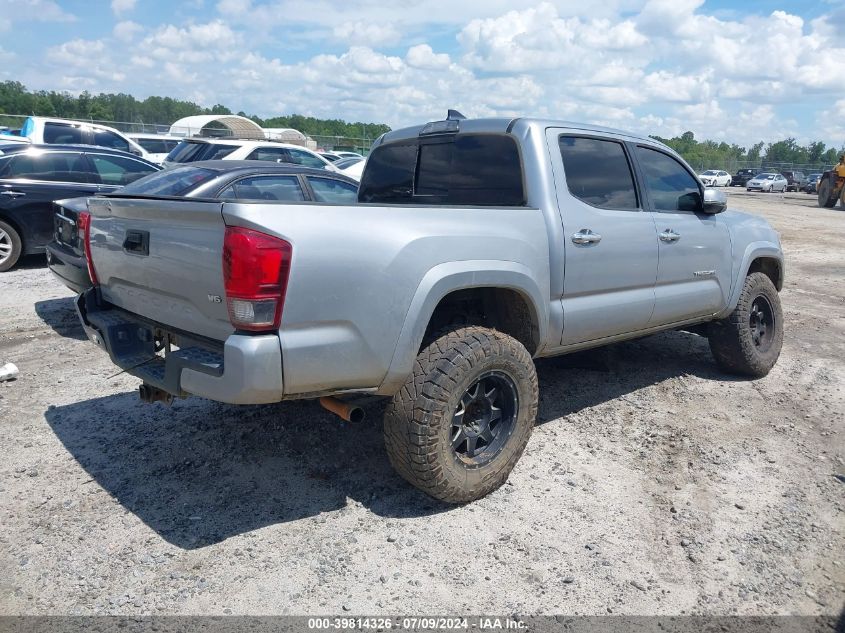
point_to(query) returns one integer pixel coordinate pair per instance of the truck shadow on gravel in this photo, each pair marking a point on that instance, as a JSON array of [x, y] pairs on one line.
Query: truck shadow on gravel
[[60, 314], [200, 472]]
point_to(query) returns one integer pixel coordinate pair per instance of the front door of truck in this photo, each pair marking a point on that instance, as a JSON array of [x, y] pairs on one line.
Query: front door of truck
[[610, 243], [694, 275]]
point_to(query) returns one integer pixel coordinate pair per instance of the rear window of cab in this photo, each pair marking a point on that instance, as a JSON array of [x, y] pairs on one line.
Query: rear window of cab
[[470, 169]]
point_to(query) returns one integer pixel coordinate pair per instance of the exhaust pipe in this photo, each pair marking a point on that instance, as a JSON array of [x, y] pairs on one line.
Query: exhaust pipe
[[349, 412], [149, 394]]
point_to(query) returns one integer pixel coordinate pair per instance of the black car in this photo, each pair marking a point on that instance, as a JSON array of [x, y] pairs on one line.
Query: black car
[[213, 179], [795, 180], [742, 176], [33, 176]]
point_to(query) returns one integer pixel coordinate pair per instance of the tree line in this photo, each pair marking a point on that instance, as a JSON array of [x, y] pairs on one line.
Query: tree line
[[713, 155], [16, 99]]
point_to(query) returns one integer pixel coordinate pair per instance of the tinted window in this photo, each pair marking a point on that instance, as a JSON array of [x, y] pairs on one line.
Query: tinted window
[[305, 159], [470, 169], [171, 182], [104, 138], [62, 133], [598, 172], [117, 170], [333, 191], [389, 177], [284, 188], [187, 152], [157, 145], [670, 186], [52, 166], [275, 154]]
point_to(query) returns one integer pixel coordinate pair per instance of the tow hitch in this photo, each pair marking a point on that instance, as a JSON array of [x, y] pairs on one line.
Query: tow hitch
[[150, 394]]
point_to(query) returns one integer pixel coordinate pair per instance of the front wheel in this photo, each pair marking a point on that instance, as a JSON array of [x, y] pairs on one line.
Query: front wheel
[[749, 340], [10, 247], [461, 421]]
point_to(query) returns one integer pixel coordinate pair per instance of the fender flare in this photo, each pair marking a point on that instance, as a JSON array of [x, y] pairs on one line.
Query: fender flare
[[753, 251], [448, 277]]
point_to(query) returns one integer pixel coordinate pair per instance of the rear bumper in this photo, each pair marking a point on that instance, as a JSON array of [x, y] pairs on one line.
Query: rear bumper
[[68, 267], [243, 369]]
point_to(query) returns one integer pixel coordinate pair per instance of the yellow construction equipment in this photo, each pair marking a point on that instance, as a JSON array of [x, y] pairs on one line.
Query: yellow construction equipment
[[831, 185]]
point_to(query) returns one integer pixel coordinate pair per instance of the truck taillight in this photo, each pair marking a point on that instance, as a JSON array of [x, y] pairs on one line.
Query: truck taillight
[[83, 230], [255, 272]]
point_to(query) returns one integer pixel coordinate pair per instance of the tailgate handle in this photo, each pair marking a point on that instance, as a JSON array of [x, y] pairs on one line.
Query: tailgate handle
[[137, 242]]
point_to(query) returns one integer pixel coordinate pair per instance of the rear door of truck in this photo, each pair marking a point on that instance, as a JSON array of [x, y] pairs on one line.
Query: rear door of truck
[[161, 258]]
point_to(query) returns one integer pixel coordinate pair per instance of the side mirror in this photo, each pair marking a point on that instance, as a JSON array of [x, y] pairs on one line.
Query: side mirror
[[714, 202]]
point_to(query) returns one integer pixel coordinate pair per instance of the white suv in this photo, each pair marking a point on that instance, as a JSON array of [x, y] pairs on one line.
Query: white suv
[[39, 129], [191, 150]]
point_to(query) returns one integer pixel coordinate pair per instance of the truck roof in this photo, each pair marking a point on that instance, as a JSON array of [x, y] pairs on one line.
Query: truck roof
[[504, 125]]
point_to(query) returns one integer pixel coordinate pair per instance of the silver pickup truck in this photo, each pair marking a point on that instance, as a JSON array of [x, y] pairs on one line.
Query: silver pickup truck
[[476, 246]]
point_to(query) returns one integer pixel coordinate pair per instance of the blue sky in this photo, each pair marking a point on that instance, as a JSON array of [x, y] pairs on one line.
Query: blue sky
[[739, 72]]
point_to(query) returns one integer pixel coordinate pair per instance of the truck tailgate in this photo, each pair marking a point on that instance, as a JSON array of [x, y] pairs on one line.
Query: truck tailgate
[[161, 259]]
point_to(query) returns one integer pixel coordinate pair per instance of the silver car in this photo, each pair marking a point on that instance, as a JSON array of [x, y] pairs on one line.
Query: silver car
[[767, 182]]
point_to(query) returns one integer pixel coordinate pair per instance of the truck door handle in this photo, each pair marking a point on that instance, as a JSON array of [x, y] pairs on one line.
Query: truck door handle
[[12, 194], [670, 236], [586, 236]]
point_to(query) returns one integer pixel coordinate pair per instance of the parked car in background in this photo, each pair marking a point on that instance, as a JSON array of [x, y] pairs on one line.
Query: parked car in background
[[45, 130], [345, 154], [157, 146], [742, 176], [811, 186], [222, 180], [191, 150], [352, 167], [715, 178], [767, 182], [330, 156], [795, 180], [33, 176]]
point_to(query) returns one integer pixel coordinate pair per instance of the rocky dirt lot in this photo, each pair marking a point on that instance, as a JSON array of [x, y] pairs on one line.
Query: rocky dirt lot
[[653, 484]]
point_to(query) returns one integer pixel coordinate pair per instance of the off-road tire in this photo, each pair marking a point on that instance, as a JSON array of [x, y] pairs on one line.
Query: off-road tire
[[732, 339], [418, 420], [826, 193], [15, 240]]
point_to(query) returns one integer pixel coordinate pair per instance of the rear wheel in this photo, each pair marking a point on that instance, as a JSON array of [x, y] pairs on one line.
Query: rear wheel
[[826, 193], [10, 247], [462, 419], [749, 340]]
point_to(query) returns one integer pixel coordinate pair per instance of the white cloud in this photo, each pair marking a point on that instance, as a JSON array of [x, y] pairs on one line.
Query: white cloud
[[655, 66], [119, 7], [367, 33], [422, 56], [127, 30], [32, 11]]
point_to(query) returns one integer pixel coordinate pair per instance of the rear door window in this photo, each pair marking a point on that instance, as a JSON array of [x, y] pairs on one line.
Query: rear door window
[[50, 166], [117, 170], [65, 133], [282, 188], [333, 191], [598, 173]]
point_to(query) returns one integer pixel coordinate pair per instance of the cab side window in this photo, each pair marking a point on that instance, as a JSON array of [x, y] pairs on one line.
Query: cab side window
[[670, 186], [598, 173], [55, 133]]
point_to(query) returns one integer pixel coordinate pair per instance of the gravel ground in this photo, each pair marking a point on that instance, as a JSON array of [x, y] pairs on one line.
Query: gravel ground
[[652, 484]]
